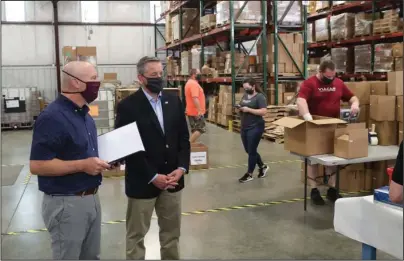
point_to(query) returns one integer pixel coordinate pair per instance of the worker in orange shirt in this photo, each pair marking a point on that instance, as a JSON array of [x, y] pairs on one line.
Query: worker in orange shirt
[[195, 100]]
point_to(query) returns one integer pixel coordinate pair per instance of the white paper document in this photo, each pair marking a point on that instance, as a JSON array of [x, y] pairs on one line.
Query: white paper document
[[119, 143]]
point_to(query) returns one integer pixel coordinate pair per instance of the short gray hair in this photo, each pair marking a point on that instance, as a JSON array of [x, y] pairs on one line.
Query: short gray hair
[[145, 60]]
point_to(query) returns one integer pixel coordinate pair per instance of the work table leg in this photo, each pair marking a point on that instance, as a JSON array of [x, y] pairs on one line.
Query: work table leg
[[305, 184]]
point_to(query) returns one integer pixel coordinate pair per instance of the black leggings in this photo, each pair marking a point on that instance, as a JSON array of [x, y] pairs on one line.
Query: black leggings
[[251, 138]]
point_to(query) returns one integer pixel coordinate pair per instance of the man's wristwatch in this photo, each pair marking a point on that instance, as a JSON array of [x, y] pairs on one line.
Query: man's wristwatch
[[183, 170]]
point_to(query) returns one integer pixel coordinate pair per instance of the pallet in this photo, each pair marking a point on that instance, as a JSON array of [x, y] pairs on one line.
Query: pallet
[[322, 10], [384, 30], [361, 35], [208, 28], [17, 125], [176, 40]]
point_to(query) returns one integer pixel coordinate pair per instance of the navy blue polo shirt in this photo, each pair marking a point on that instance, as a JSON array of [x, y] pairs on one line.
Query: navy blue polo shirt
[[67, 132]]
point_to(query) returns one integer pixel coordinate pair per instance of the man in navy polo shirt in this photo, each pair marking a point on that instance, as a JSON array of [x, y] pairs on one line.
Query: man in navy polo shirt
[[64, 155]]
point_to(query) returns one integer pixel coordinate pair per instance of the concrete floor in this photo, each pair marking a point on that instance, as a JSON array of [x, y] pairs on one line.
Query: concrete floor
[[281, 231]]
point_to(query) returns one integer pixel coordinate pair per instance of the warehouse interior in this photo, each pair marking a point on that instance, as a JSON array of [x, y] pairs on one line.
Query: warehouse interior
[[277, 43]]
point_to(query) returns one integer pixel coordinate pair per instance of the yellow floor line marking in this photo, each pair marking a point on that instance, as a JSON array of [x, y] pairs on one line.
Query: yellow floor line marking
[[195, 212], [27, 179]]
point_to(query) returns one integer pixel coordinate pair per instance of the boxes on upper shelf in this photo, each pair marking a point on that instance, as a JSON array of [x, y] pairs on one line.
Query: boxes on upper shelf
[[363, 58], [383, 57], [321, 30], [343, 58], [342, 26], [363, 24], [250, 14], [190, 23], [80, 53]]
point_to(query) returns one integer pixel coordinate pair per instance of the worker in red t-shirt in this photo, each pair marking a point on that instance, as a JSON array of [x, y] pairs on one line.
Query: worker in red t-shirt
[[321, 95]]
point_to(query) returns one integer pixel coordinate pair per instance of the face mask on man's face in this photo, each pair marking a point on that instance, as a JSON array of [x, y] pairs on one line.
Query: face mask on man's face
[[327, 80], [155, 85], [91, 91]]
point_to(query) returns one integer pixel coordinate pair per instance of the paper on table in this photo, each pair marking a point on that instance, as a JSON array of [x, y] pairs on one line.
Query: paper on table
[[119, 143]]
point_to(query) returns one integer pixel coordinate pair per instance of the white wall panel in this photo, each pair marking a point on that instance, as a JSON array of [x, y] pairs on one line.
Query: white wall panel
[[38, 11], [27, 45], [44, 78], [69, 11], [3, 10], [124, 11], [115, 44]]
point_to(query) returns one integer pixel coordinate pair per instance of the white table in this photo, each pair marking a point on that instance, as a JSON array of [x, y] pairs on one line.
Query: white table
[[376, 153], [375, 225]]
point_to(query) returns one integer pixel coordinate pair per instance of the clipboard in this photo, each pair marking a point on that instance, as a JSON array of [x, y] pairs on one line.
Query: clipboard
[[116, 145]]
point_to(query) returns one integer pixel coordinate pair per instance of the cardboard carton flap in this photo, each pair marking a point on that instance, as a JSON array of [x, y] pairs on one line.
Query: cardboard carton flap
[[328, 121], [344, 137], [289, 122]]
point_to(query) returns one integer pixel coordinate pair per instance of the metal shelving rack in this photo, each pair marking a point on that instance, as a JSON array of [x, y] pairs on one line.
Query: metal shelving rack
[[239, 33], [372, 6]]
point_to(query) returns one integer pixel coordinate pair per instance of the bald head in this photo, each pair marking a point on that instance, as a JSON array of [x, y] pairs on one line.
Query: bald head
[[83, 71]]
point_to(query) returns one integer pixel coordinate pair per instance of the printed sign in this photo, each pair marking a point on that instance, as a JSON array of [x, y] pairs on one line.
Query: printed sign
[[199, 158], [12, 104]]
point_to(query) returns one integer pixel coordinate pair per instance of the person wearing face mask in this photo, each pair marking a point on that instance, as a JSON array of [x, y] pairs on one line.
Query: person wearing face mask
[[155, 177], [321, 95], [195, 102], [64, 156], [253, 106]]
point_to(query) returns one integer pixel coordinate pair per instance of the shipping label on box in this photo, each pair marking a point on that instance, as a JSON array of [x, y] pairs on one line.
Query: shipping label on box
[[199, 158]]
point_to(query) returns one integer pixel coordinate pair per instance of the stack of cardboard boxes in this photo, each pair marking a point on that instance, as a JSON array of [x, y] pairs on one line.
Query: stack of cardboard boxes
[[286, 93], [190, 24], [80, 53], [294, 43], [239, 62], [225, 105], [398, 56]]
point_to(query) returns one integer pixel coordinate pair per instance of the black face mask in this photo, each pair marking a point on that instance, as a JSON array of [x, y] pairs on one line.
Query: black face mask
[[155, 85], [249, 91], [198, 77], [327, 80]]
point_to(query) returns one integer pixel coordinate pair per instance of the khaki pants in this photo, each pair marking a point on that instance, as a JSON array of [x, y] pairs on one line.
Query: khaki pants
[[138, 218]]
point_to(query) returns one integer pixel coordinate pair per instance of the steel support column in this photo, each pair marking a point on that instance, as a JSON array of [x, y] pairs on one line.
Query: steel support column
[[276, 51], [57, 47], [264, 44], [232, 50]]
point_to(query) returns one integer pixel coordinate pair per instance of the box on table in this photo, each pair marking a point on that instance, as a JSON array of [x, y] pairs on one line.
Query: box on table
[[118, 172], [199, 158], [352, 178], [395, 86], [360, 90], [308, 138], [351, 141], [378, 88], [382, 107], [386, 132]]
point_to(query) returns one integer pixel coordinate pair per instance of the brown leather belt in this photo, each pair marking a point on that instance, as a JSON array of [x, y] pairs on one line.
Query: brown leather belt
[[87, 192]]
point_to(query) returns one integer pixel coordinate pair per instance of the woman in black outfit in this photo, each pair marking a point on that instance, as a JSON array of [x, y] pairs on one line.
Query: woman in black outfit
[[252, 107]]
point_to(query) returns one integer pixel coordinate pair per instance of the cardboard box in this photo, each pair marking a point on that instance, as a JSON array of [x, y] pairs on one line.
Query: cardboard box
[[400, 108], [386, 132], [320, 177], [398, 50], [199, 158], [364, 114], [400, 132], [395, 86], [352, 178], [398, 64], [309, 138], [360, 90], [379, 173], [79, 53], [378, 88], [382, 108], [351, 141], [288, 97], [110, 76]]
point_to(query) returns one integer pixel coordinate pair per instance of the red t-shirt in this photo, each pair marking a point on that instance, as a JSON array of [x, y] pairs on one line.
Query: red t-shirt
[[324, 99]]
